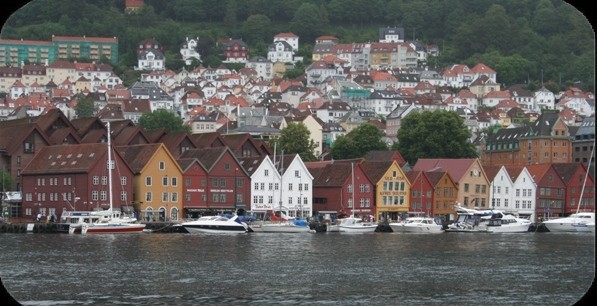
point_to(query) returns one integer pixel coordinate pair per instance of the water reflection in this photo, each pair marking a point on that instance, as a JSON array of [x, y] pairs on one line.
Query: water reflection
[[376, 268]]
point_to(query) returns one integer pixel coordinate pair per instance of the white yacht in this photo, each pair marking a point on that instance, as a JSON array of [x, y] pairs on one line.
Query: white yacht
[[507, 223], [421, 225], [570, 223], [215, 224]]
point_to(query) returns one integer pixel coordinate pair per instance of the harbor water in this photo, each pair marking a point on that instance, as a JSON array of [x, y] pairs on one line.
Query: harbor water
[[298, 269]]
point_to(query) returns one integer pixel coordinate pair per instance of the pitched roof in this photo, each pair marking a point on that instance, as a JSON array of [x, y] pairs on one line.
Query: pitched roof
[[376, 169], [207, 156], [66, 158], [332, 175], [137, 156], [456, 167]]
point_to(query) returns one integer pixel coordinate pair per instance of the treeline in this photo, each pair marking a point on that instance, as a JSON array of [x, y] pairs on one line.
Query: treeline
[[523, 40]]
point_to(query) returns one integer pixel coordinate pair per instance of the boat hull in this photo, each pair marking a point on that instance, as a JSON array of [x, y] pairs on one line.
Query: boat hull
[[279, 228], [423, 228], [221, 229], [397, 227], [520, 228], [112, 228], [358, 229]]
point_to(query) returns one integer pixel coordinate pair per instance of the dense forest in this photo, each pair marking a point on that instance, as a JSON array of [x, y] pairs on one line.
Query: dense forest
[[525, 41]]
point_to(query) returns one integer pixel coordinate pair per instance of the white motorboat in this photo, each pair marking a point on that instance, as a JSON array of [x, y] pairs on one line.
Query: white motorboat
[[571, 223], [356, 225], [591, 227], [216, 224], [421, 225], [397, 227], [507, 223], [470, 220], [280, 227]]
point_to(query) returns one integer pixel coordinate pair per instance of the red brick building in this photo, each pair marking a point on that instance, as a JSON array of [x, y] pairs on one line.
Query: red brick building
[[551, 191]]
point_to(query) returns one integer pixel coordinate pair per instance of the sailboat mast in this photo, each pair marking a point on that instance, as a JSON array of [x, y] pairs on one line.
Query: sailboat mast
[[109, 166], [353, 189], [584, 183], [281, 176]]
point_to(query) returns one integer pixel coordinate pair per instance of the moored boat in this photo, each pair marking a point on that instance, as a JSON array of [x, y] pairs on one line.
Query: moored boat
[[570, 223], [356, 225], [422, 225], [110, 221], [507, 223], [216, 224]]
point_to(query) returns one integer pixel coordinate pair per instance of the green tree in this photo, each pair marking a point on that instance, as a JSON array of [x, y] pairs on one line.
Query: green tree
[[364, 138], [434, 134], [5, 181], [309, 21], [296, 138], [257, 28], [86, 107], [162, 119]]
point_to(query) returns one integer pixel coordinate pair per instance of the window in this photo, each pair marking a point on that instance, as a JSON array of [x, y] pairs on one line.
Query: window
[[174, 197], [256, 186], [95, 180], [123, 195], [165, 181], [148, 181], [148, 196], [266, 172], [104, 180], [162, 166], [94, 195], [465, 187], [174, 181], [104, 195], [123, 180], [165, 197]]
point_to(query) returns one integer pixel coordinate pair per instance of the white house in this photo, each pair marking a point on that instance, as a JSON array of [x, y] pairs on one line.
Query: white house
[[290, 38], [280, 51], [544, 99], [150, 59], [188, 51], [263, 67], [297, 186]]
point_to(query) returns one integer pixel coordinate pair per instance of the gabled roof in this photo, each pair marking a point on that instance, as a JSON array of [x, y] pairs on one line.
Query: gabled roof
[[84, 125], [537, 171], [207, 156], [138, 156], [12, 137], [514, 171], [186, 163], [434, 177], [212, 139], [385, 155], [173, 139], [251, 164], [456, 167], [376, 169], [566, 170], [492, 171], [66, 159], [332, 175]]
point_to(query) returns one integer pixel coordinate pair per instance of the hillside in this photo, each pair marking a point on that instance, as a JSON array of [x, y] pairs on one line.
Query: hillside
[[525, 41]]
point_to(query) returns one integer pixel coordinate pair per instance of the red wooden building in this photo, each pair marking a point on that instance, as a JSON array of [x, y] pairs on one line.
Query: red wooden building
[[551, 194], [74, 177], [333, 188], [573, 175], [221, 186]]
